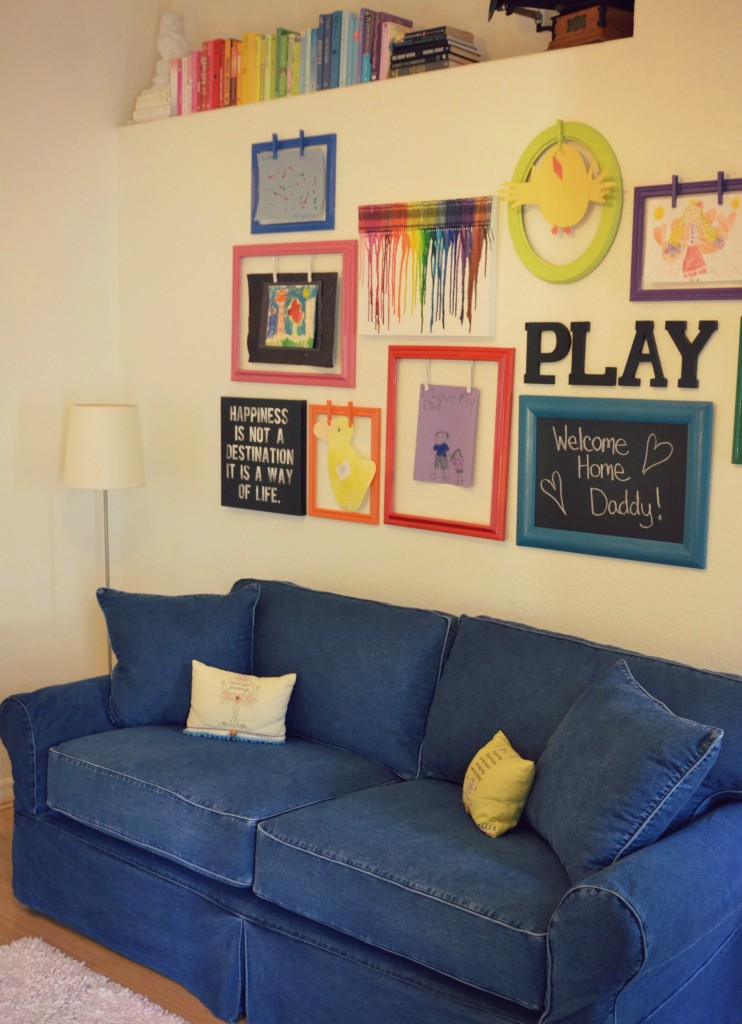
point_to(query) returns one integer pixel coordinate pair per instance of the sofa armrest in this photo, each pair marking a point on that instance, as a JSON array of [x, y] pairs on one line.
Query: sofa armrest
[[623, 929], [31, 723]]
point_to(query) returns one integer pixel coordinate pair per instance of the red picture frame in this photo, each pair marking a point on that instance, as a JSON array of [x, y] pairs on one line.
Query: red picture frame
[[479, 511], [340, 257]]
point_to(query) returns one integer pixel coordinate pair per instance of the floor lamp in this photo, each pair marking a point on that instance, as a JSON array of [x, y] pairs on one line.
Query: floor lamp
[[104, 452]]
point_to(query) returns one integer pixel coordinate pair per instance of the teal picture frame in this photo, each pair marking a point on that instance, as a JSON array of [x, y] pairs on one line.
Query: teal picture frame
[[737, 437], [666, 494]]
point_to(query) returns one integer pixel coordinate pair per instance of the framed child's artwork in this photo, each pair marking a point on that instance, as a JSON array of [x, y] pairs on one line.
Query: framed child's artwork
[[344, 462], [293, 184], [686, 242], [294, 313], [428, 268], [448, 438], [617, 477]]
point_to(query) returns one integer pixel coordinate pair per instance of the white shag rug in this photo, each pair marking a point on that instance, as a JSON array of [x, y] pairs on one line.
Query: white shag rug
[[40, 985]]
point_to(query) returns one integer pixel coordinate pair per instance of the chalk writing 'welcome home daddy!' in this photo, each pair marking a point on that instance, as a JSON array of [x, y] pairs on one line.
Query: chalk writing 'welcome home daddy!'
[[608, 477]]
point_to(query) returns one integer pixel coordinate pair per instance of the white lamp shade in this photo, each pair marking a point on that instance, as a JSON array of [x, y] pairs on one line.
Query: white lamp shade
[[104, 448]]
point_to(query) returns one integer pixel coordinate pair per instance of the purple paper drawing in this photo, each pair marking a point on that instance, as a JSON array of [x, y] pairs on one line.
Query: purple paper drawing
[[445, 446]]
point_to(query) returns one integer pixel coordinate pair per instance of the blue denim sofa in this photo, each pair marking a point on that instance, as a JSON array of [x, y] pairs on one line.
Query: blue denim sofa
[[338, 878]]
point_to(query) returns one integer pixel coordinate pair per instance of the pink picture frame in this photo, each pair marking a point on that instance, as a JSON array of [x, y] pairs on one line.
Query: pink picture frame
[[340, 257], [479, 511]]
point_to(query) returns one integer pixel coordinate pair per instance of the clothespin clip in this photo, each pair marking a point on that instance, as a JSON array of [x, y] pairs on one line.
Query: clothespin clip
[[350, 414], [275, 270], [427, 375], [275, 146], [309, 269], [674, 191], [301, 143], [720, 188], [560, 134], [471, 376], [329, 411]]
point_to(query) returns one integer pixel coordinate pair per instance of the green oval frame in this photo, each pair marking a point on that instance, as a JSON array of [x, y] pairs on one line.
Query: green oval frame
[[610, 217]]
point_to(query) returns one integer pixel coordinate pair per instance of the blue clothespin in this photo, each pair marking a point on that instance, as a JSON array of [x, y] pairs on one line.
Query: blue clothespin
[[301, 143], [674, 191], [275, 146], [720, 188]]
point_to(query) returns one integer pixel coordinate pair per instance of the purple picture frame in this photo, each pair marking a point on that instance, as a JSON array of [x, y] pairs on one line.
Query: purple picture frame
[[673, 191]]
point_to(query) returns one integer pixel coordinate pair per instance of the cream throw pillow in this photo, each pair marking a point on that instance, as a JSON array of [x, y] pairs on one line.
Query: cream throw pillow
[[496, 786], [232, 706]]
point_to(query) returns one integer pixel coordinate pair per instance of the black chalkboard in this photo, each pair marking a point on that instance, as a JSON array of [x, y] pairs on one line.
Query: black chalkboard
[[627, 478], [263, 454], [621, 479]]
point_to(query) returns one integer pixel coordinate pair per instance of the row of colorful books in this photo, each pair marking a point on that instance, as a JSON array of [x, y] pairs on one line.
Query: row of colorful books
[[344, 48]]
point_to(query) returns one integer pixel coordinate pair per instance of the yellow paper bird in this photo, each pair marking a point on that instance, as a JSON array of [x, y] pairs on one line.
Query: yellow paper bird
[[350, 474], [562, 187]]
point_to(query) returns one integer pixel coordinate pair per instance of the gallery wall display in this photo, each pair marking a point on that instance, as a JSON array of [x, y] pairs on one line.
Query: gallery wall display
[[428, 268], [687, 242], [564, 202], [624, 478], [448, 438], [344, 462], [293, 184], [294, 313], [263, 454]]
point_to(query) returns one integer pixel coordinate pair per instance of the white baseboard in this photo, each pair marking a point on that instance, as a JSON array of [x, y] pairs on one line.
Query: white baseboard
[[6, 792]]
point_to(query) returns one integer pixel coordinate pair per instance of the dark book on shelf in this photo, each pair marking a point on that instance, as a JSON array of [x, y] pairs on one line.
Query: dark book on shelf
[[427, 64], [440, 32], [406, 54]]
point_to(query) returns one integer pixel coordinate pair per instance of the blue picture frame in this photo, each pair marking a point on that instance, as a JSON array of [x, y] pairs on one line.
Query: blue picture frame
[[615, 477], [320, 146]]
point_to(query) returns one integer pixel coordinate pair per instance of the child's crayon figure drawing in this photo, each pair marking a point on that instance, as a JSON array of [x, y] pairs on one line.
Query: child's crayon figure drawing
[[446, 435], [694, 241], [292, 315], [441, 449]]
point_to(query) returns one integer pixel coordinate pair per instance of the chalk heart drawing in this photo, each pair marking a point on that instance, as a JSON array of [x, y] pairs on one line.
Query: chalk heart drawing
[[552, 488], [656, 453]]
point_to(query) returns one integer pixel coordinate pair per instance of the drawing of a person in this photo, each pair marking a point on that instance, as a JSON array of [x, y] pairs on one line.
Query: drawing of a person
[[457, 459], [695, 236], [441, 449]]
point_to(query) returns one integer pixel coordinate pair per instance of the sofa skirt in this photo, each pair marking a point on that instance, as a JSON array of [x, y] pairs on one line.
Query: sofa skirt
[[134, 904], [300, 971]]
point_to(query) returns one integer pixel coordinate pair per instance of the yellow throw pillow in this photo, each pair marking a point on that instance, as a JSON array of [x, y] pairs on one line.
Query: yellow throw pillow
[[496, 786], [232, 706]]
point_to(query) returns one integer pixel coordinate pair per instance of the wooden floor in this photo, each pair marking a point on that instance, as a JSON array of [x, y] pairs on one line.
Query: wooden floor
[[16, 922]]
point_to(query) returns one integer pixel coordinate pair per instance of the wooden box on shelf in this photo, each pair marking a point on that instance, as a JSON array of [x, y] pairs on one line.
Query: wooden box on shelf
[[585, 26]]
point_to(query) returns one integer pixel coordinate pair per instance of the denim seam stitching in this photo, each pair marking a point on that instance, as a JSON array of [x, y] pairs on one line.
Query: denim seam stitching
[[401, 885], [144, 844], [34, 758], [114, 773]]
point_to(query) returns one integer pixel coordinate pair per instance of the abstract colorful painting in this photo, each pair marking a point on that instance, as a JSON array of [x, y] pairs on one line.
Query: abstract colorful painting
[[423, 266], [292, 315]]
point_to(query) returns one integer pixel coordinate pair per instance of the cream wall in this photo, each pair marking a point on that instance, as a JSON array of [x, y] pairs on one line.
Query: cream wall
[[67, 75], [666, 102]]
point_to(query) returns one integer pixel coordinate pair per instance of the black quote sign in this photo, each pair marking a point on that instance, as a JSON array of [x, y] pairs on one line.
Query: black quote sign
[[263, 444], [617, 478]]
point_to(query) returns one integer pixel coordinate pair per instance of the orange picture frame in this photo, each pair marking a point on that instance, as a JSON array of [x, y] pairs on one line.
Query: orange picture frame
[[318, 500]]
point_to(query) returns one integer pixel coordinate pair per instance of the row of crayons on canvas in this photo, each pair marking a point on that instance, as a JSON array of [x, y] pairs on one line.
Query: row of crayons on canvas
[[343, 49]]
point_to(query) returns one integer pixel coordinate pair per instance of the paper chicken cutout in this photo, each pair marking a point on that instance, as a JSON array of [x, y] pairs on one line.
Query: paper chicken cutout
[[562, 186], [350, 474]]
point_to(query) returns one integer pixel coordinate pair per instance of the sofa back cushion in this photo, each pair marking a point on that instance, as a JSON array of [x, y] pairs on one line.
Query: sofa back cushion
[[503, 675], [366, 671]]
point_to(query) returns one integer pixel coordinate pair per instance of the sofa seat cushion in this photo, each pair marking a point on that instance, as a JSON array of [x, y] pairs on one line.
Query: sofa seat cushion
[[405, 869], [192, 800]]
